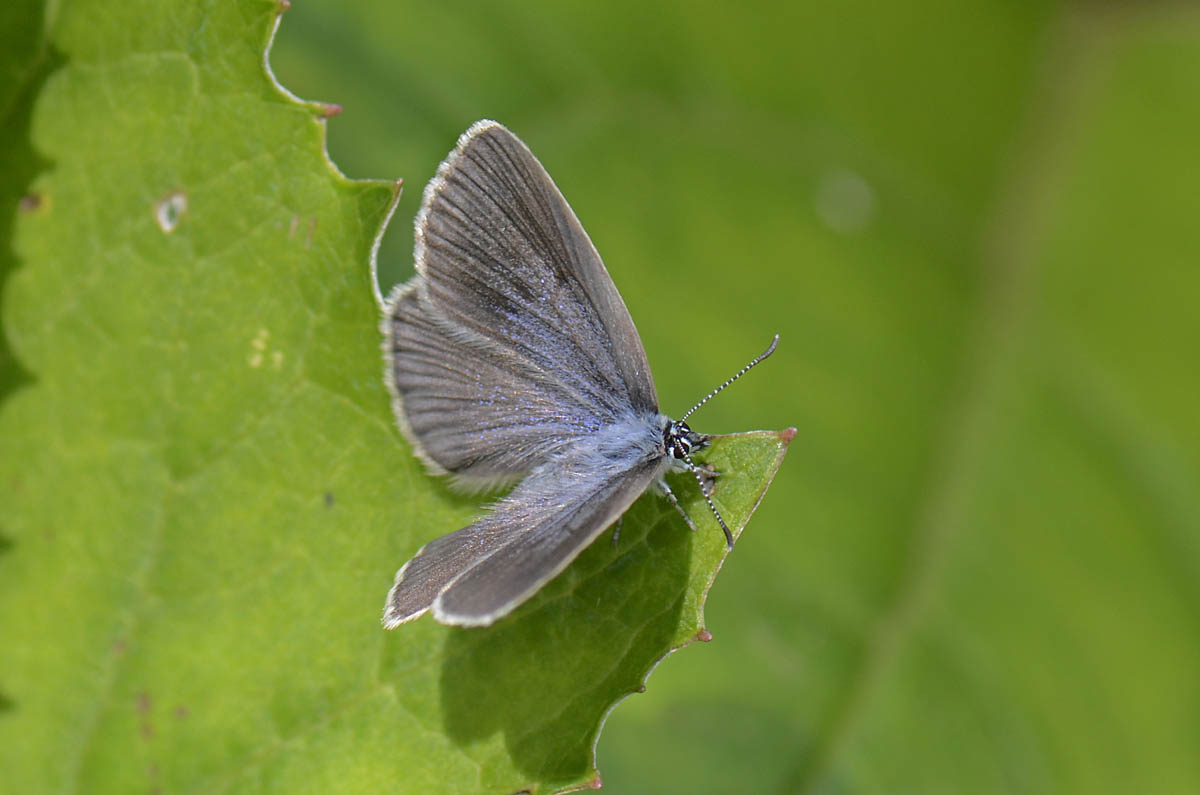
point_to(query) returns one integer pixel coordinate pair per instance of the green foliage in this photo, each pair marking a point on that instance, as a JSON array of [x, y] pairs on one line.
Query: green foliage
[[973, 224], [205, 498]]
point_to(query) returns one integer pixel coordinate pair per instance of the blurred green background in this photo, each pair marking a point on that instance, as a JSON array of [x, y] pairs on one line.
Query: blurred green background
[[974, 225]]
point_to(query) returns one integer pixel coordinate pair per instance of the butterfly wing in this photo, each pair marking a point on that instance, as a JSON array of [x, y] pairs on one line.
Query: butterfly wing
[[469, 406], [512, 341], [478, 574]]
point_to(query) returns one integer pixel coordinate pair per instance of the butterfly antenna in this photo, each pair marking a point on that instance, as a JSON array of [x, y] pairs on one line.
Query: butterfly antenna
[[708, 499], [770, 349]]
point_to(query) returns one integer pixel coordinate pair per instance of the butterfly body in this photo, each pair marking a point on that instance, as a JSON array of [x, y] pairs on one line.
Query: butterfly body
[[511, 358]]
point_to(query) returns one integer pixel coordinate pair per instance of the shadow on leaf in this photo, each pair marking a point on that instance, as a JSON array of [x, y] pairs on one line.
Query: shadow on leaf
[[547, 675], [20, 164], [6, 703]]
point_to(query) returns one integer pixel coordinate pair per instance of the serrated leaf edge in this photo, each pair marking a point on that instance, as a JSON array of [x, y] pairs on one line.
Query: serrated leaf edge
[[595, 782], [322, 112]]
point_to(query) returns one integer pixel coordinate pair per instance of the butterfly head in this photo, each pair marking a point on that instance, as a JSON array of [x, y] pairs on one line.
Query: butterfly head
[[680, 440]]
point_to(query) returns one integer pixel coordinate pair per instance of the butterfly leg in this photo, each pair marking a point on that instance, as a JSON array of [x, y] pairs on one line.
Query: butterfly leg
[[706, 476], [670, 495], [617, 530]]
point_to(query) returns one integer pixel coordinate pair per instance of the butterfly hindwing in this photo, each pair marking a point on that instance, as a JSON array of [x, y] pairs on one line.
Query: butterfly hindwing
[[475, 575]]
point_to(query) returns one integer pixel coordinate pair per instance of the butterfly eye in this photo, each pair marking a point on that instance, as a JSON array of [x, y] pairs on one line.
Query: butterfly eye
[[677, 438]]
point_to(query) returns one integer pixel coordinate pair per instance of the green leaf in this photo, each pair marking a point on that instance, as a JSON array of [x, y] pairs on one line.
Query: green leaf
[[205, 497], [973, 224], [529, 694]]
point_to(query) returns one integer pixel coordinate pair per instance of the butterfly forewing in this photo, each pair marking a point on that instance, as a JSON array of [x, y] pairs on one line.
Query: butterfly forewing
[[504, 255], [475, 409]]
